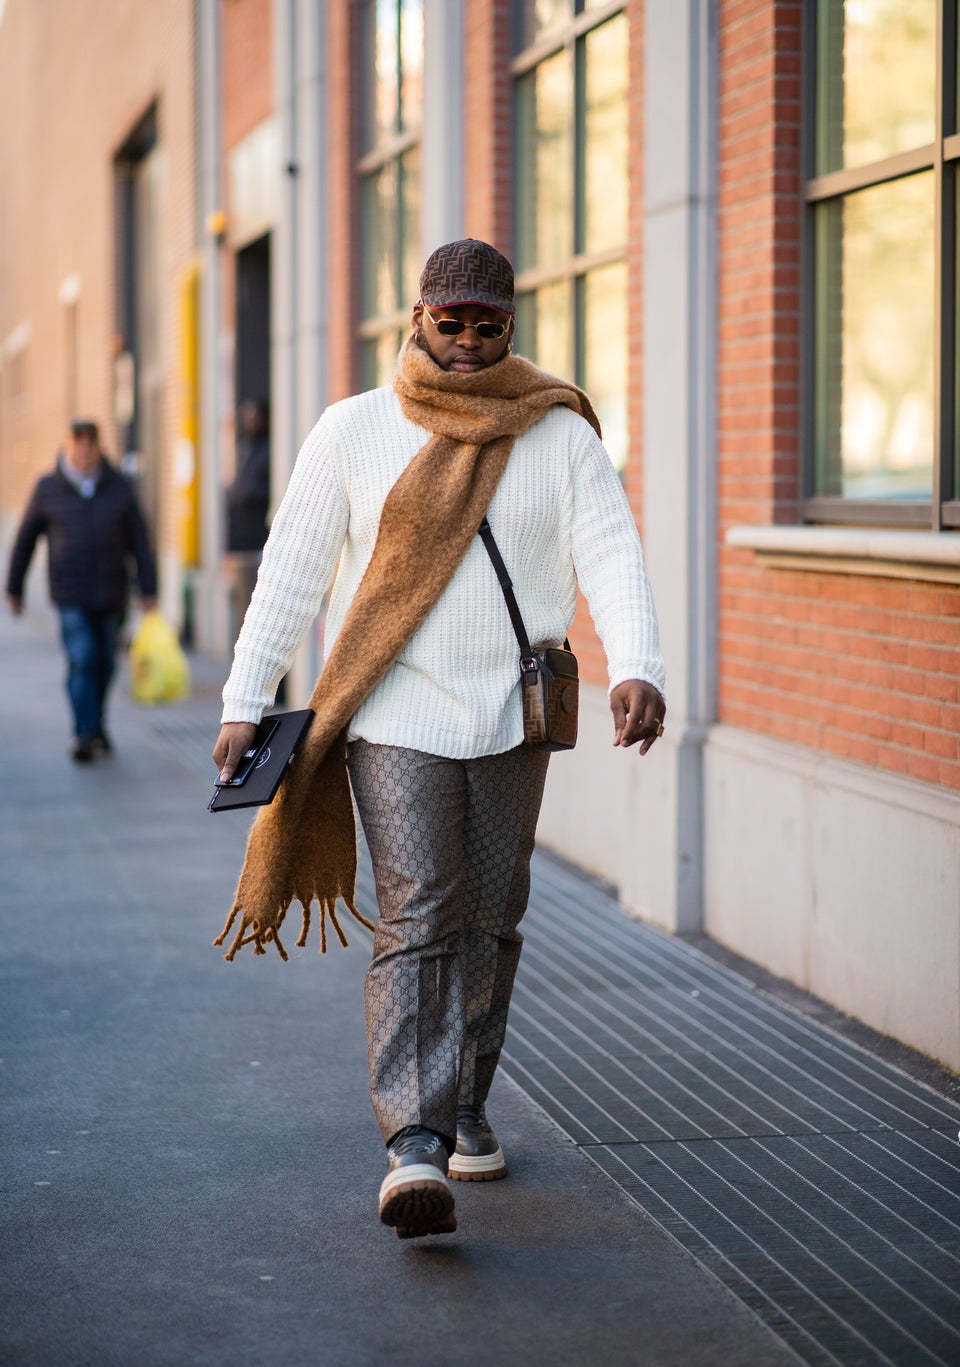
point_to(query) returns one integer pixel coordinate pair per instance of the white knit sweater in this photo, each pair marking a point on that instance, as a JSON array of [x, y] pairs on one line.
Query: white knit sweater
[[559, 515]]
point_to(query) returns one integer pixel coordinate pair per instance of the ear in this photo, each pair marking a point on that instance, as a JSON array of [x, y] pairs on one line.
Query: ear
[[417, 316]]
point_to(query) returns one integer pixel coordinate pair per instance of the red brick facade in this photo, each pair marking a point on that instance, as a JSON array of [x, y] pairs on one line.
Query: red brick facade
[[343, 148], [488, 123], [247, 43], [75, 80], [859, 667]]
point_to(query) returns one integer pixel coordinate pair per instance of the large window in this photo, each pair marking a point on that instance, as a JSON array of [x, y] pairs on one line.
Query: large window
[[881, 192], [389, 179], [571, 199]]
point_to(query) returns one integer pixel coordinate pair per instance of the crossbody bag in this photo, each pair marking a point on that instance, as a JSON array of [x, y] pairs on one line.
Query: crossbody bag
[[549, 679]]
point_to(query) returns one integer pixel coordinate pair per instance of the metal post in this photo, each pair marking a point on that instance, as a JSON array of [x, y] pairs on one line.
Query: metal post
[[212, 614], [442, 138]]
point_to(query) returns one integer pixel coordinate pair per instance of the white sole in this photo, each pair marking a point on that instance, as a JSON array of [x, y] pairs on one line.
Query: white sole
[[487, 1168], [417, 1200]]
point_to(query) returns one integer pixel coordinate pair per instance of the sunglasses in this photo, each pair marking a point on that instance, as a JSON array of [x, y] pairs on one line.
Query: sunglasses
[[452, 327]]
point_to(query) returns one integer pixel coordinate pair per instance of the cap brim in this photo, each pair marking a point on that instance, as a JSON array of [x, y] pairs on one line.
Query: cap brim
[[434, 303]]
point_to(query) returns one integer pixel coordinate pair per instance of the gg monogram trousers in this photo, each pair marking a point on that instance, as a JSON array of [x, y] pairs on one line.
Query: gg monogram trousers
[[450, 841]]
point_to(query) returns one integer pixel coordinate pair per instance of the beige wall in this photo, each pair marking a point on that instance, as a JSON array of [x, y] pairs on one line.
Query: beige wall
[[840, 879]]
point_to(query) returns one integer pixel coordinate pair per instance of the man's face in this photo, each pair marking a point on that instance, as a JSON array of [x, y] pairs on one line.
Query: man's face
[[468, 352], [83, 452]]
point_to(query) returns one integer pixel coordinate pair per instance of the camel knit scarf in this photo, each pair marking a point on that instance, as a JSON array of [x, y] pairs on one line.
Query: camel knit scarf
[[303, 846]]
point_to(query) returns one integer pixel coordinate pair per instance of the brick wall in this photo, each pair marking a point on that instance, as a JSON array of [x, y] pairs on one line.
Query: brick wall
[[859, 667], [247, 44], [488, 122], [74, 82]]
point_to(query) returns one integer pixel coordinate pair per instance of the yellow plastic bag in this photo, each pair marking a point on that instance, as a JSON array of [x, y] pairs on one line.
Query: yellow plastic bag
[[159, 670]]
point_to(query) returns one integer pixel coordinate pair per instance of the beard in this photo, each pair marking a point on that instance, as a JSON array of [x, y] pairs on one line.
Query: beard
[[424, 345]]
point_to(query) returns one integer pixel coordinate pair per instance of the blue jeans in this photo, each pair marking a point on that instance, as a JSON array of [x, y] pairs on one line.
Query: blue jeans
[[90, 642]]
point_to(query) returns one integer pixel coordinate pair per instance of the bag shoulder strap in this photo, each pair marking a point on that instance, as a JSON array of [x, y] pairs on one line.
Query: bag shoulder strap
[[493, 550]]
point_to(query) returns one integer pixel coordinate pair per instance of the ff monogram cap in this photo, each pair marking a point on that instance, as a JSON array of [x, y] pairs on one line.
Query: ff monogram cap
[[468, 272]]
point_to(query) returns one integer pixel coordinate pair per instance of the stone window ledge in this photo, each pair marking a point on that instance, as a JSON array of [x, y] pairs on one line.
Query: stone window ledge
[[886, 554]]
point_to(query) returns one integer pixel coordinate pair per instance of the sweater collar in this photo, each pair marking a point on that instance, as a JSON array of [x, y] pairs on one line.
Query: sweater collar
[[85, 485]]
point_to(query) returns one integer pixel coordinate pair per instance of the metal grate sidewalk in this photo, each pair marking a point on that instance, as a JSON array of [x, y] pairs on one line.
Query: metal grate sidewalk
[[820, 1184]]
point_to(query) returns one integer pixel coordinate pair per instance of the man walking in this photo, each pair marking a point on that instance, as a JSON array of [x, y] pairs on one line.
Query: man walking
[[420, 698], [89, 514]]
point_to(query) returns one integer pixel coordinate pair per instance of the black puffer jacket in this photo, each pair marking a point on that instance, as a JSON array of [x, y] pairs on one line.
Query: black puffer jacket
[[89, 541]]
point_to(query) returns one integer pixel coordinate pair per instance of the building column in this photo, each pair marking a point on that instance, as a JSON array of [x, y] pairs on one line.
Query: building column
[[299, 259], [212, 615], [442, 151], [679, 445]]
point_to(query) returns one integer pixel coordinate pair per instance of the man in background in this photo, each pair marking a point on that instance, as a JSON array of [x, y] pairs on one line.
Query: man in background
[[89, 514], [248, 500], [248, 497]]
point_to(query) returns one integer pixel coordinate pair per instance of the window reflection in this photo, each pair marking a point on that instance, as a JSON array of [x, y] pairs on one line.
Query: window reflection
[[380, 62], [947, 456], [379, 219], [571, 204], [875, 331], [393, 60], [544, 332], [390, 184], [408, 217], [605, 136], [876, 79], [411, 64], [379, 359], [545, 170], [605, 354], [538, 17]]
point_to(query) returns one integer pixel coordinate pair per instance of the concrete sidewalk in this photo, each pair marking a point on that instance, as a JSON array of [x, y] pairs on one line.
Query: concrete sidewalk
[[191, 1163], [190, 1159]]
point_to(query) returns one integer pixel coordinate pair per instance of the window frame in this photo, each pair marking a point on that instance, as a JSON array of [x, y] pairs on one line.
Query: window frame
[[572, 272], [942, 156], [386, 151]]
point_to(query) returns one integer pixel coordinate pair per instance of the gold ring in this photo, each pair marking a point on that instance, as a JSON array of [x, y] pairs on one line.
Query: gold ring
[[659, 728]]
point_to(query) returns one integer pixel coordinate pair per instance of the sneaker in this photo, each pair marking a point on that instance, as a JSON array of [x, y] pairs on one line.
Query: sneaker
[[415, 1196], [83, 750], [478, 1156], [102, 744]]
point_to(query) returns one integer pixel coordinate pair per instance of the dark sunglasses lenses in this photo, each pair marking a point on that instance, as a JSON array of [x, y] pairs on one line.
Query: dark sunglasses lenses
[[452, 327]]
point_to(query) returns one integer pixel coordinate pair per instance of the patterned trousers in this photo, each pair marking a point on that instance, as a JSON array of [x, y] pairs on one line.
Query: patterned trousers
[[450, 842]]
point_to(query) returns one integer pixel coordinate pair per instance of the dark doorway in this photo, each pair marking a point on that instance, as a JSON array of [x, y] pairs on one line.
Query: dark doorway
[[138, 371], [253, 321], [248, 498]]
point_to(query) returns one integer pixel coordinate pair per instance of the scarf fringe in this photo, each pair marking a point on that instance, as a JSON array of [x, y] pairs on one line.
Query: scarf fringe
[[250, 933]]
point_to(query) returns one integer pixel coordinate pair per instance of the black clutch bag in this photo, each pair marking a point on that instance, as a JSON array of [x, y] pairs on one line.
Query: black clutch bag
[[262, 768], [549, 679]]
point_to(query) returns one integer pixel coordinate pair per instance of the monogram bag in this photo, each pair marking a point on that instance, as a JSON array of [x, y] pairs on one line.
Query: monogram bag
[[549, 680]]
